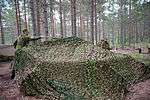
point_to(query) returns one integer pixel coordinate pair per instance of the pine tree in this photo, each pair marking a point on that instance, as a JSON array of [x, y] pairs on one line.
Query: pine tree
[[1, 23], [73, 17], [92, 21], [18, 17], [61, 18]]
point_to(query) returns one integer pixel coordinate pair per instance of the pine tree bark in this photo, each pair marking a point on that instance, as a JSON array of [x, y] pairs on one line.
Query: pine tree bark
[[61, 18], [81, 24], [25, 14], [87, 28], [130, 22], [73, 17], [121, 25], [1, 27], [18, 20], [19, 16], [103, 30], [99, 29], [38, 22], [78, 27], [28, 13], [52, 26], [45, 19], [32, 7], [64, 23], [92, 21], [95, 13]]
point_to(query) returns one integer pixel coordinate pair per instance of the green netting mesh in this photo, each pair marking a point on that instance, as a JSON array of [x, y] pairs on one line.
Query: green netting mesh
[[73, 69]]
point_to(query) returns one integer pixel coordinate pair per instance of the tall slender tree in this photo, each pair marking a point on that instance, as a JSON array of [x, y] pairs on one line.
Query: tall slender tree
[[32, 7], [52, 26], [130, 22], [121, 24], [38, 17], [25, 14], [95, 17], [92, 21], [66, 10], [1, 23], [45, 18], [73, 17], [61, 18], [18, 17], [81, 21]]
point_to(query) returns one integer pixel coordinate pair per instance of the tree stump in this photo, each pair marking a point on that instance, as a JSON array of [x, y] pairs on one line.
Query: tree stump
[[149, 50], [140, 50]]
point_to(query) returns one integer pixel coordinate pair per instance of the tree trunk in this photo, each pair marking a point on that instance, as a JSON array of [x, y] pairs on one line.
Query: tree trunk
[[136, 32], [45, 19], [103, 29], [53, 26], [83, 29], [19, 16], [61, 19], [87, 30], [78, 26], [95, 13], [130, 21], [25, 15], [64, 21], [113, 33], [28, 13], [99, 25], [73, 17], [52, 19], [32, 7], [81, 24], [1, 26], [38, 17], [18, 27], [121, 25], [92, 21]]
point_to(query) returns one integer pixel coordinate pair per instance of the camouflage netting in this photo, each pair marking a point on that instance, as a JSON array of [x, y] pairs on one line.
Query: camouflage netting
[[74, 69]]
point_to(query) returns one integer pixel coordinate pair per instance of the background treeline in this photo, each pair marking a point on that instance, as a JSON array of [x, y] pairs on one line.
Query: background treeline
[[122, 22]]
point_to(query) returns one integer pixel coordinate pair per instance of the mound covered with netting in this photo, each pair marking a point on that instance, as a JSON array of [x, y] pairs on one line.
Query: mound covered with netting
[[73, 69]]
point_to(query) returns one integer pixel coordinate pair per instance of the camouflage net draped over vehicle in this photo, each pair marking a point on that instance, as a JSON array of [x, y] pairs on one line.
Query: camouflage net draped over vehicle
[[73, 69]]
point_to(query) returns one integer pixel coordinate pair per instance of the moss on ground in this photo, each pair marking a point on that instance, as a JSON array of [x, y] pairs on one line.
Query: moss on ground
[[74, 69]]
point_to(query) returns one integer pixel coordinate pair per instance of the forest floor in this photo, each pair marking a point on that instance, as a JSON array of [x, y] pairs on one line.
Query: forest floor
[[9, 89]]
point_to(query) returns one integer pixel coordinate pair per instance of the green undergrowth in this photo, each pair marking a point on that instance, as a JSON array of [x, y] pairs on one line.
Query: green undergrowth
[[75, 70]]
